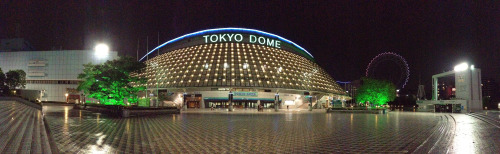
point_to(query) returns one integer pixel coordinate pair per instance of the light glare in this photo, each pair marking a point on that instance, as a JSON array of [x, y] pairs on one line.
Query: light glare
[[461, 67], [101, 50]]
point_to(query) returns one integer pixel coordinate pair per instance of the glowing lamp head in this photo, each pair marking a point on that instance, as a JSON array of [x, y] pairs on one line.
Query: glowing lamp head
[[461, 67], [101, 50]]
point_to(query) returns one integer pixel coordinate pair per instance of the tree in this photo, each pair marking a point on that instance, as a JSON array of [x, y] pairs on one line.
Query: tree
[[22, 78], [15, 78], [3, 87], [2, 78], [111, 82], [377, 92]]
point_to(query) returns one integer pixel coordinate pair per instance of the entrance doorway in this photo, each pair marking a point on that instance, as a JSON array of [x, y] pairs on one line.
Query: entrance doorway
[[193, 104], [193, 101], [244, 104], [225, 104]]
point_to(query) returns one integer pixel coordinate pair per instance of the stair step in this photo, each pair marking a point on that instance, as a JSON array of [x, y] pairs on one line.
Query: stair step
[[22, 129]]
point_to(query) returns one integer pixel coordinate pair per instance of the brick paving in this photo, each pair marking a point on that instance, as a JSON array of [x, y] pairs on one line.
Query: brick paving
[[82, 131], [79, 131], [22, 129]]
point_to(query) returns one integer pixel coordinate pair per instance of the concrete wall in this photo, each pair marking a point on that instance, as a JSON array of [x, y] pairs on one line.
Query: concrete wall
[[428, 105], [52, 92], [29, 94], [468, 87]]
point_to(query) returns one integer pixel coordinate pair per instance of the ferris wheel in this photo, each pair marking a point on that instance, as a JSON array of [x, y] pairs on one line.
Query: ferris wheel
[[389, 66]]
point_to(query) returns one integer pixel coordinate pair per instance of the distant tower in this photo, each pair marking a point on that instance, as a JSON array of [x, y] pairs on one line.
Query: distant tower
[[421, 93], [421, 90]]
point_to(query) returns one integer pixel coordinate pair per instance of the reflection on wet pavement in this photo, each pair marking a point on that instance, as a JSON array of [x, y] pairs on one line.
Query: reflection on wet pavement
[[22, 129], [83, 131], [477, 133]]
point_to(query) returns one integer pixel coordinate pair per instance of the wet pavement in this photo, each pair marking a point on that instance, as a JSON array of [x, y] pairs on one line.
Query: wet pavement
[[477, 132], [22, 129], [80, 131], [290, 132]]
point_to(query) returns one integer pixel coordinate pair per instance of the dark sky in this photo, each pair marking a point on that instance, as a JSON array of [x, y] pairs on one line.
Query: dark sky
[[343, 36]]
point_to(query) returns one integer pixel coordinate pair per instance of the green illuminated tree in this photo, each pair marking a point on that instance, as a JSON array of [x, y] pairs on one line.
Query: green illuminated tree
[[111, 82], [377, 92]]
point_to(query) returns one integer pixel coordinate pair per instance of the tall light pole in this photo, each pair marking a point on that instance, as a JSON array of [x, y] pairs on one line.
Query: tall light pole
[[462, 68], [230, 99], [276, 101], [101, 51]]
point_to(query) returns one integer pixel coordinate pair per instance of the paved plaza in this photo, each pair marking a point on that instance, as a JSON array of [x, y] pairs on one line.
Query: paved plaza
[[22, 129], [205, 131], [289, 132]]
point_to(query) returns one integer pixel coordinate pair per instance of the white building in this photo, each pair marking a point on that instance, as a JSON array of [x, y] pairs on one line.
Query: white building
[[53, 73], [468, 91]]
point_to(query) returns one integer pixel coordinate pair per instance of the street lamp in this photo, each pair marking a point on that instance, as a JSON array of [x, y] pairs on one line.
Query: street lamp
[[461, 67], [66, 97], [101, 50]]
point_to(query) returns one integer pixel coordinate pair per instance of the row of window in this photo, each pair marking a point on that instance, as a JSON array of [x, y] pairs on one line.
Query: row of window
[[240, 89], [236, 64], [52, 81]]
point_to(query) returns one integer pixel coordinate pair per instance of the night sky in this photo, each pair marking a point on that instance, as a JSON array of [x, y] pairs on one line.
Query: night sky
[[343, 36]]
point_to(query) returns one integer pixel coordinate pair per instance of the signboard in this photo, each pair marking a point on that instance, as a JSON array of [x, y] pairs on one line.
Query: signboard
[[245, 94], [37, 62], [289, 103], [233, 35], [236, 37]]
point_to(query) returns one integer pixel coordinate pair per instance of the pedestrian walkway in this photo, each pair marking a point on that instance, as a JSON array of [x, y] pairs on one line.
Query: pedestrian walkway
[[250, 111], [22, 129], [79, 131], [246, 131]]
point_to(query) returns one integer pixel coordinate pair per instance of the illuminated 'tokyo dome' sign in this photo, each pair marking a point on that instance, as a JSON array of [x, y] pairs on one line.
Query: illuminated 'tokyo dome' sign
[[231, 35], [253, 39]]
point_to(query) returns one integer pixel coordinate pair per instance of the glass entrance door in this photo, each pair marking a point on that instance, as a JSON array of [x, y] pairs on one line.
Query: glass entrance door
[[218, 104], [236, 104], [193, 104]]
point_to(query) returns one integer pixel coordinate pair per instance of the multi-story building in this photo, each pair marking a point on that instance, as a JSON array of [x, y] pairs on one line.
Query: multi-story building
[[53, 73], [491, 91], [489, 87]]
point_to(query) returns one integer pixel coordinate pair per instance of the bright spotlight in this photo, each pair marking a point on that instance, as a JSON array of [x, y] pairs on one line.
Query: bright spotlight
[[101, 50], [461, 67]]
